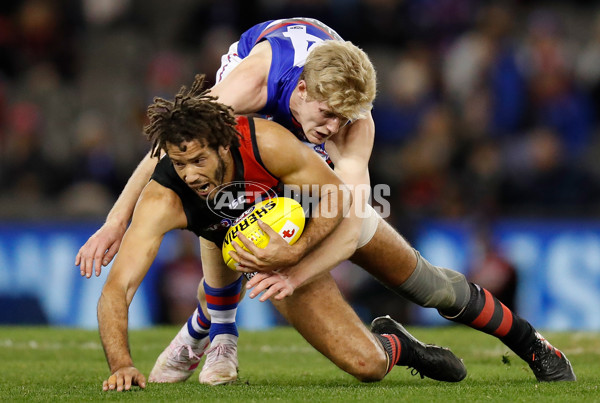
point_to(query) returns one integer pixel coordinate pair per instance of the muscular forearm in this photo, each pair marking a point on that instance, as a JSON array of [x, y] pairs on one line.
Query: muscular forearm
[[112, 323], [337, 247], [123, 208], [333, 206], [334, 249]]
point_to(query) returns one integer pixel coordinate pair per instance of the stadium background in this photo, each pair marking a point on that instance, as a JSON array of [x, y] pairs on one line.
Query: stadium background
[[487, 133]]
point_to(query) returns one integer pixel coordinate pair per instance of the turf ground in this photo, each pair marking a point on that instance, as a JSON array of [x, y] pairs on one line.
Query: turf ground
[[54, 364]]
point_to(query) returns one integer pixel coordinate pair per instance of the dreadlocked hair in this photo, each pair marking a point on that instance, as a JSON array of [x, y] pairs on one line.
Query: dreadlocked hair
[[192, 115]]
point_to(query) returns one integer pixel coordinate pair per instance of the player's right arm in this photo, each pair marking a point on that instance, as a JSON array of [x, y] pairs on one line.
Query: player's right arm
[[350, 154], [244, 89], [158, 211], [300, 168]]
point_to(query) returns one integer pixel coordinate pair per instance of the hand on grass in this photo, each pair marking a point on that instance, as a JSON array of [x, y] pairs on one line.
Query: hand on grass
[[123, 379]]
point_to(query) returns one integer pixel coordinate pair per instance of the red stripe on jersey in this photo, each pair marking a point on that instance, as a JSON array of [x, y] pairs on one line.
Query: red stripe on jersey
[[283, 24], [507, 320], [295, 122], [486, 313], [224, 67], [254, 171], [214, 300]]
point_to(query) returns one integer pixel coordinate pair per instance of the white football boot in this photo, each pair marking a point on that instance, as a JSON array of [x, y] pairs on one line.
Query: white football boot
[[178, 361], [221, 365]]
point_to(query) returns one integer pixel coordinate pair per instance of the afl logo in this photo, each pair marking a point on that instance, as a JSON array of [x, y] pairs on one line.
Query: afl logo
[[229, 200]]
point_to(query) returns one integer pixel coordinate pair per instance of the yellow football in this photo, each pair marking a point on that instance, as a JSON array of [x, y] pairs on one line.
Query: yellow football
[[283, 214]]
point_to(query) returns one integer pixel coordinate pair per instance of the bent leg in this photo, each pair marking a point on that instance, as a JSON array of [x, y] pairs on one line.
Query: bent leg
[[392, 261], [396, 264], [322, 316], [387, 256]]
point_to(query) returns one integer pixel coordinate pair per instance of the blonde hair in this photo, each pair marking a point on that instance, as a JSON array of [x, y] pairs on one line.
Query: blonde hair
[[342, 75]]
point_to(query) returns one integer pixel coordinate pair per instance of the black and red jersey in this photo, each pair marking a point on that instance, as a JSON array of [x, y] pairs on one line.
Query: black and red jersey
[[211, 218]]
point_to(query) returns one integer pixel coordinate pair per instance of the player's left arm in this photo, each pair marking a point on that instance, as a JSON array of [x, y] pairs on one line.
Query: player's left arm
[[157, 212], [299, 166], [350, 153]]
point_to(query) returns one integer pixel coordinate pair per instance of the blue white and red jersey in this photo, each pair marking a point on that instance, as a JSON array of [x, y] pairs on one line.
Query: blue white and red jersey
[[291, 41]]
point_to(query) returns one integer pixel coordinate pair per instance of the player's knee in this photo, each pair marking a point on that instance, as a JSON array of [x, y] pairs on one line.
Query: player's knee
[[368, 369]]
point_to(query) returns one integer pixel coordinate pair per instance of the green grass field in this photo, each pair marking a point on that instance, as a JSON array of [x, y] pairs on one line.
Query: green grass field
[[54, 364]]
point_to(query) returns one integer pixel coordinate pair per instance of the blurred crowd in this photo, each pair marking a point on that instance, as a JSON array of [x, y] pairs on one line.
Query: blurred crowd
[[484, 109]]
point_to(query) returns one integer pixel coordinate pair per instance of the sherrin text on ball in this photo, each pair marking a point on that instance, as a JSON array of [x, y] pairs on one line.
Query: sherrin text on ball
[[285, 215]]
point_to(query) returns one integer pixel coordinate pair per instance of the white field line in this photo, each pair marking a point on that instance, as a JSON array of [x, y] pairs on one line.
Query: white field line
[[37, 345], [590, 344], [92, 345]]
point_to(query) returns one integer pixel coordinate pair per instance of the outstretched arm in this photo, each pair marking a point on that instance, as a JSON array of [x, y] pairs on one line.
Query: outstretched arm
[[157, 212], [100, 249]]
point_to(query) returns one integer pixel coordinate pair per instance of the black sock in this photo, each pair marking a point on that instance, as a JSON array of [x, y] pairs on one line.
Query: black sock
[[486, 313]]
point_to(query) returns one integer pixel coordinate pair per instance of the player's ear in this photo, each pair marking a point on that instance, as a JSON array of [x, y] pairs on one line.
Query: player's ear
[[302, 89], [223, 151]]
